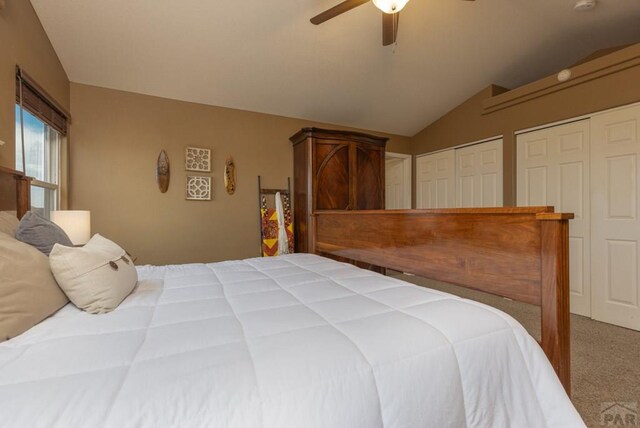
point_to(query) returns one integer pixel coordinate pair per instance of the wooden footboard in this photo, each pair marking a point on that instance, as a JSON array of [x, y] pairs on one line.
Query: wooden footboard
[[521, 253]]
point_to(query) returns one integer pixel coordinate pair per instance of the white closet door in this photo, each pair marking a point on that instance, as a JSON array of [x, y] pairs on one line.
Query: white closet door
[[394, 183], [553, 169], [479, 175], [614, 208], [435, 180]]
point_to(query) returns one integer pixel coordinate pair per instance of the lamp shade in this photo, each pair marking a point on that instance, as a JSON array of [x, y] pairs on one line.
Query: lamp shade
[[390, 6], [76, 224]]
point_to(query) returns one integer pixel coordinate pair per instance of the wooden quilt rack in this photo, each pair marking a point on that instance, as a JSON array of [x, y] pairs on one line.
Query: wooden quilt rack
[[263, 192]]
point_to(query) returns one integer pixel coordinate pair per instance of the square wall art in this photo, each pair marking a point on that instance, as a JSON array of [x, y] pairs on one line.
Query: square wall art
[[197, 159], [198, 188]]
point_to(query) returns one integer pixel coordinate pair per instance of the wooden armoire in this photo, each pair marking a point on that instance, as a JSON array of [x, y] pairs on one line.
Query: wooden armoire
[[334, 170]]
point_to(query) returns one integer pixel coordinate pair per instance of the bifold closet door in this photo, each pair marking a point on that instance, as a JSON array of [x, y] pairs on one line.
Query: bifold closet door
[[479, 175], [553, 169], [615, 137], [435, 180], [394, 183]]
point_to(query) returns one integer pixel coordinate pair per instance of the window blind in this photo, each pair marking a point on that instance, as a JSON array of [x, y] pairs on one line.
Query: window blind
[[39, 103]]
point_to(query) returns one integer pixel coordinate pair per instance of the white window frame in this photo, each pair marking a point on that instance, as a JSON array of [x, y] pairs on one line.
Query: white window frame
[[51, 163]]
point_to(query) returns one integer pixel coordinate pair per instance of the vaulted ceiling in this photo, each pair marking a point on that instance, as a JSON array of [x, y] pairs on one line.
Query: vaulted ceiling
[[265, 56]]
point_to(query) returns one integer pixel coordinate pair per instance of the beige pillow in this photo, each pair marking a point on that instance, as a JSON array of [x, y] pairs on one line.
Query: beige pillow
[[96, 277], [28, 292], [9, 223]]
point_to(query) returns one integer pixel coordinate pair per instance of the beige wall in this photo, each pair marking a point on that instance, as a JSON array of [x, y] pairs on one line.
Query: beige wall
[[467, 123], [23, 42], [117, 137]]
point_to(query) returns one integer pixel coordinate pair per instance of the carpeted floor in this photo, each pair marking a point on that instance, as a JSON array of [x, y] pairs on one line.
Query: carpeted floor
[[605, 359]]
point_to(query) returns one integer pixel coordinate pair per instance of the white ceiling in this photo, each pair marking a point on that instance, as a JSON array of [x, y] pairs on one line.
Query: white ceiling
[[265, 56]]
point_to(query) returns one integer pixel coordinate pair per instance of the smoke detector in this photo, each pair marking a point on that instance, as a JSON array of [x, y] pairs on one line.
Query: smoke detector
[[564, 75], [582, 5]]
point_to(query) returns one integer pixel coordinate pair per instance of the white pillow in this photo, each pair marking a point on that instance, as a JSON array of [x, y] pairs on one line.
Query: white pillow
[[96, 277]]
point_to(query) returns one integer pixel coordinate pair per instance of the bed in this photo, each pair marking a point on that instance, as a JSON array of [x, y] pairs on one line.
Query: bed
[[291, 341]]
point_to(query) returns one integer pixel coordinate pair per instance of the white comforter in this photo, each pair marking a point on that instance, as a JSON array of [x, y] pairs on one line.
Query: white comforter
[[294, 341]]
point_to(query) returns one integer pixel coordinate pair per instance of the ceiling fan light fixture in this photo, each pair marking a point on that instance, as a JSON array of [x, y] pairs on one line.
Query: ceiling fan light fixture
[[390, 6]]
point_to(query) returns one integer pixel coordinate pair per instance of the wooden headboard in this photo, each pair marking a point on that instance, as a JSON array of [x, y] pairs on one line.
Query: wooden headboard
[[520, 253], [15, 191]]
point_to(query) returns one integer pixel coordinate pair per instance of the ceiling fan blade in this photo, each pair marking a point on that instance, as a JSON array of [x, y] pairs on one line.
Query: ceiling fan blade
[[339, 9], [390, 28]]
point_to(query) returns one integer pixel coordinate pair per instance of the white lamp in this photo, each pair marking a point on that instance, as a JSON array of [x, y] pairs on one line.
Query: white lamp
[[390, 6], [76, 224]]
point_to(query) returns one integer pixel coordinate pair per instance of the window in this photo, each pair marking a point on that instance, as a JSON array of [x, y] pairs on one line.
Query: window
[[42, 155], [44, 127]]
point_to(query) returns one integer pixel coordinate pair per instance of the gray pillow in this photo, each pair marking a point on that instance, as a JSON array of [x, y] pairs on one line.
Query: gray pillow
[[41, 233]]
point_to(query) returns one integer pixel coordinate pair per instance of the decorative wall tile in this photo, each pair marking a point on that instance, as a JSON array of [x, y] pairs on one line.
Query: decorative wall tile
[[197, 159], [198, 188]]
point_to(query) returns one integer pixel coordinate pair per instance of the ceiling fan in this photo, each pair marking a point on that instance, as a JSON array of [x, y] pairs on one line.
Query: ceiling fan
[[390, 15]]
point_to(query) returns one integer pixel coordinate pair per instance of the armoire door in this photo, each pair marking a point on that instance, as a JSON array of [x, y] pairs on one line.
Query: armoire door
[[368, 180], [553, 169], [479, 175], [435, 180], [615, 137], [332, 169]]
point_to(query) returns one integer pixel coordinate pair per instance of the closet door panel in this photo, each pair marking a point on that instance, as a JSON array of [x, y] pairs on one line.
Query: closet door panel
[[616, 224], [479, 175], [394, 172], [535, 187], [465, 193], [466, 166], [490, 191], [435, 180], [553, 169], [491, 174]]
